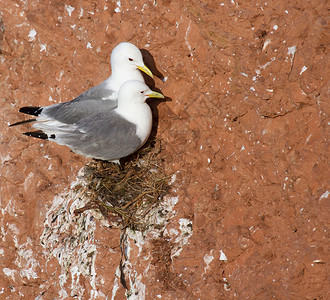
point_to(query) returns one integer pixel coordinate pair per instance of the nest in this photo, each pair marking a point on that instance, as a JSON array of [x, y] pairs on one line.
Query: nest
[[126, 195]]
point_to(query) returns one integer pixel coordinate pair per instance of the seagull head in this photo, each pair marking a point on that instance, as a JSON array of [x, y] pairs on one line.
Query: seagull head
[[135, 92], [126, 56]]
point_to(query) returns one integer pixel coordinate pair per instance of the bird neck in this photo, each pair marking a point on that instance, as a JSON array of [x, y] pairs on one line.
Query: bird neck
[[120, 75]]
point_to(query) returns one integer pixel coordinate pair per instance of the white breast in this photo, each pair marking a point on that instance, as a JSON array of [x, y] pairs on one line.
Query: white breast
[[139, 114]]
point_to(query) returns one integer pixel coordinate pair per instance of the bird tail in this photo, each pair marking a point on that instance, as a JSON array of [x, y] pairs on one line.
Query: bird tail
[[31, 110], [23, 122], [39, 134]]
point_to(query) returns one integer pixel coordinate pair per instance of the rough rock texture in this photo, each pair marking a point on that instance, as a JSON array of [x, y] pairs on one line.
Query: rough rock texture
[[245, 136]]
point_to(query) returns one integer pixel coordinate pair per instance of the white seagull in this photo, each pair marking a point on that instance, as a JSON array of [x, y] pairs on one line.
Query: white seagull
[[93, 128], [126, 61]]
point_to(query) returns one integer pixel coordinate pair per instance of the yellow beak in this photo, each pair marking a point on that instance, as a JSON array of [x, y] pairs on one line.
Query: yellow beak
[[145, 70], [155, 95]]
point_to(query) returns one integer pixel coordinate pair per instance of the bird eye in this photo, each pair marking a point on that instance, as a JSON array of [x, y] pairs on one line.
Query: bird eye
[[130, 59], [142, 92]]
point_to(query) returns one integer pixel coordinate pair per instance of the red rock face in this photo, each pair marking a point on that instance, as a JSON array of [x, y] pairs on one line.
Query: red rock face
[[245, 135]]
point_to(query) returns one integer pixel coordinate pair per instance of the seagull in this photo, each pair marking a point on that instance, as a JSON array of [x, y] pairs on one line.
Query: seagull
[[94, 129], [126, 61]]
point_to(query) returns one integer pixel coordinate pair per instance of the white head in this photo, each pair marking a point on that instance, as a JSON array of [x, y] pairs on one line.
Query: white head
[[134, 92], [127, 57]]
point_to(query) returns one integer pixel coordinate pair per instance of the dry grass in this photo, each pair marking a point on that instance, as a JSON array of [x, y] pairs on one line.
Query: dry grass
[[126, 195]]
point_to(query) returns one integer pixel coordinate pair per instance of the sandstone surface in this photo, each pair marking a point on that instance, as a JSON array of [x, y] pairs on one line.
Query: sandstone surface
[[245, 136]]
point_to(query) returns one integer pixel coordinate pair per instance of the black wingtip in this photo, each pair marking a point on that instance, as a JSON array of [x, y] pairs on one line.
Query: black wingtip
[[23, 122], [31, 110], [39, 134]]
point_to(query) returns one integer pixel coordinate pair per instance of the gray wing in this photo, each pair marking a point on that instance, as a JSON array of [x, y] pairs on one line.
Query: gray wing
[[104, 136], [99, 92], [73, 111], [95, 100]]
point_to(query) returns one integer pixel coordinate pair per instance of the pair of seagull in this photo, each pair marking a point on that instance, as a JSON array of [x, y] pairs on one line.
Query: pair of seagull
[[109, 121]]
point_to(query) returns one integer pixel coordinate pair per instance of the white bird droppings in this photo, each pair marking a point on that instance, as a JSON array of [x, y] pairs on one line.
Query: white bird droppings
[[291, 51], [325, 195], [223, 256], [43, 48], [69, 9], [303, 69], [32, 35], [117, 9]]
